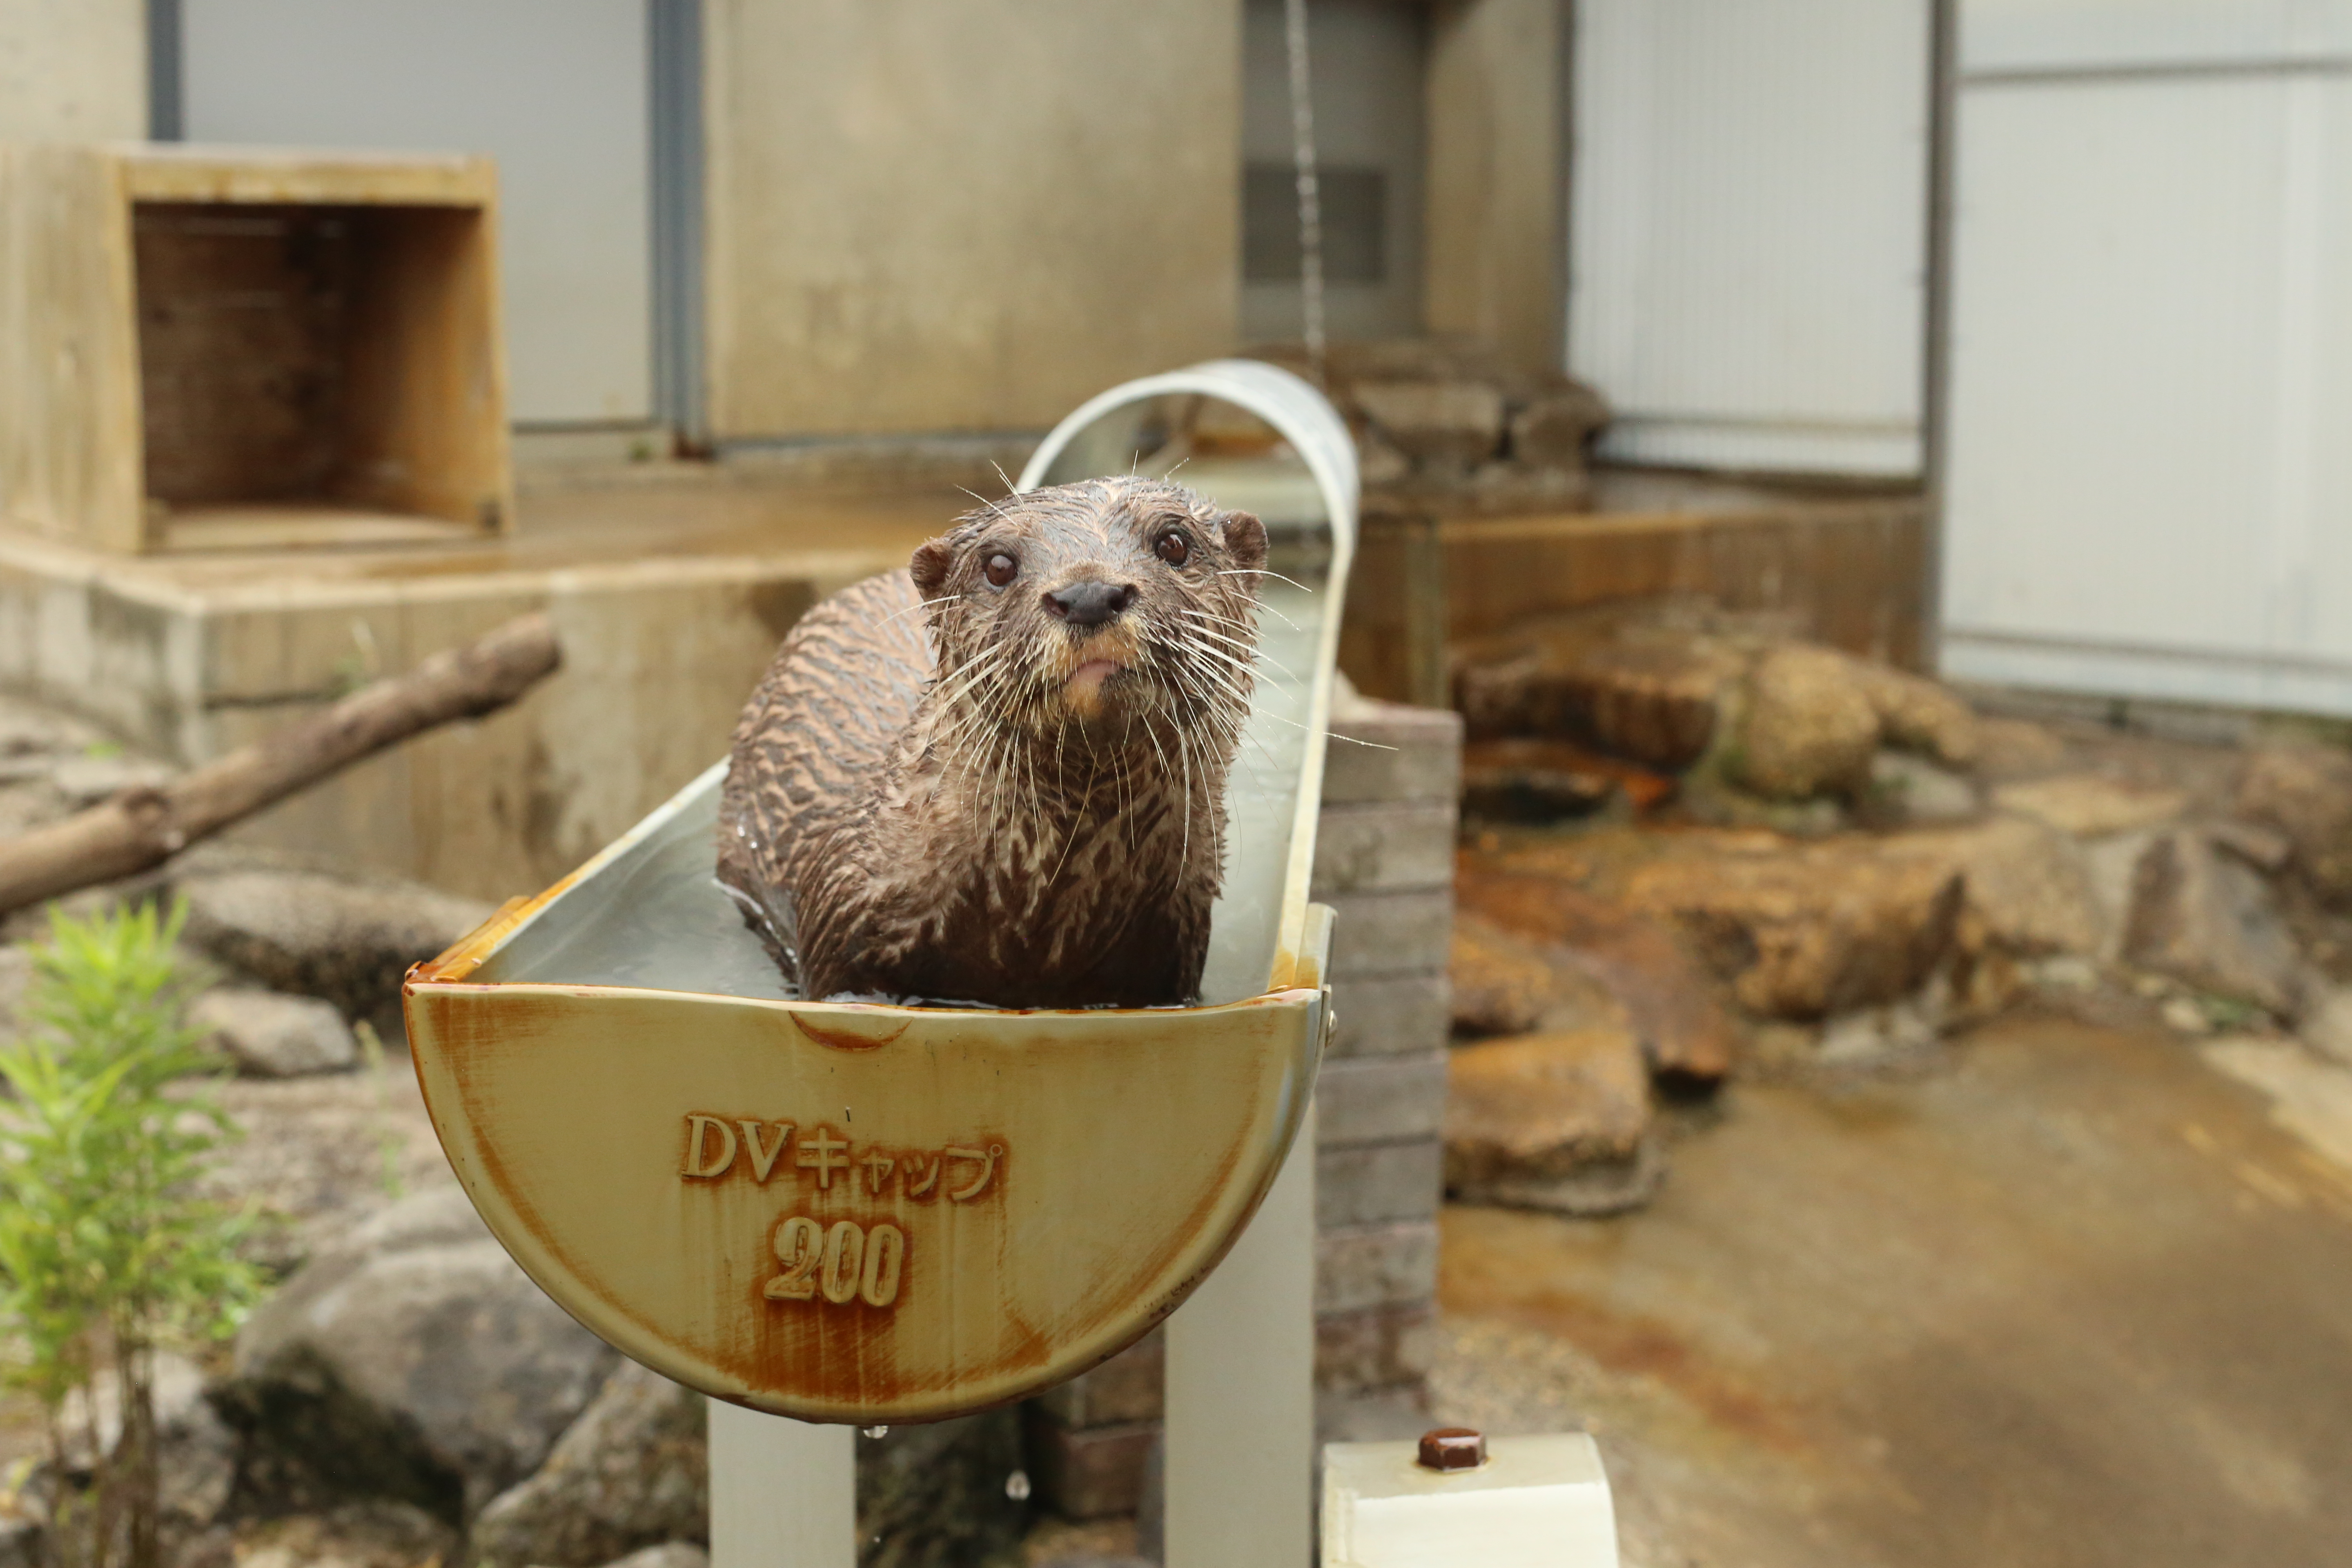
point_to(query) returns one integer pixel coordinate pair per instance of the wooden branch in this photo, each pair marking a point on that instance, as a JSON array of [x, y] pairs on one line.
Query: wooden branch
[[144, 825]]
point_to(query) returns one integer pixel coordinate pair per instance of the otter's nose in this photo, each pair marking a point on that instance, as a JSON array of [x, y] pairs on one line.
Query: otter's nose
[[1089, 604]]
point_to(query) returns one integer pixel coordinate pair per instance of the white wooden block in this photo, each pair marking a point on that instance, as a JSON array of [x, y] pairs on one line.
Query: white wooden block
[[783, 1493], [1241, 1390], [1536, 1502]]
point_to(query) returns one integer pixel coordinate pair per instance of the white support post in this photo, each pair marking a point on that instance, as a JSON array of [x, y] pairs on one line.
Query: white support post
[[783, 1494], [1241, 1390]]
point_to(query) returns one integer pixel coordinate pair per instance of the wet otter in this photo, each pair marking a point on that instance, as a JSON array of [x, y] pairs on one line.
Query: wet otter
[[999, 775]]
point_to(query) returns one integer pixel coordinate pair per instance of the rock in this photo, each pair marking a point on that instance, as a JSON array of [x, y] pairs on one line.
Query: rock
[[1377, 462], [1655, 700], [1919, 714], [323, 1155], [942, 1493], [1502, 985], [633, 1472], [271, 1036], [2113, 861], [373, 1534], [2016, 748], [1506, 984], [2029, 887], [2326, 1025], [2305, 790], [195, 1452], [668, 1554], [2267, 849], [2091, 806], [2209, 920], [93, 777], [1807, 931], [1671, 1003], [1644, 693], [1553, 430], [1810, 726], [1453, 423], [1902, 1027], [412, 1361], [1522, 779], [1912, 789], [348, 942], [1556, 772], [2182, 1015], [1555, 1121]]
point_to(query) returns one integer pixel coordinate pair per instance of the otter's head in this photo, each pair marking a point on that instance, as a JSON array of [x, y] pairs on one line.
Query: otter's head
[[1095, 605]]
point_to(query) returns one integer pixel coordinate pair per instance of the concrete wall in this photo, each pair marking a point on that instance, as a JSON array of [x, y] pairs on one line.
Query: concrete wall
[[72, 70], [964, 217], [1496, 175], [658, 654]]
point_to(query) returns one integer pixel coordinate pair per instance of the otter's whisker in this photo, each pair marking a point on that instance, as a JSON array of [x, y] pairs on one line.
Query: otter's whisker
[[1262, 572], [917, 605], [1243, 647]]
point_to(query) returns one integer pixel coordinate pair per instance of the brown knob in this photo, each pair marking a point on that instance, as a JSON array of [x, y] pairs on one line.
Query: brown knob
[[1453, 1449]]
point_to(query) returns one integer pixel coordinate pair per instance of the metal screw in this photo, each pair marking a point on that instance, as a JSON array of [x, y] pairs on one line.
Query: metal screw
[[1453, 1449]]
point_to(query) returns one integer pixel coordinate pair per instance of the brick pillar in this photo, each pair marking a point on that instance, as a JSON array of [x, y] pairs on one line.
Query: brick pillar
[[1384, 860]]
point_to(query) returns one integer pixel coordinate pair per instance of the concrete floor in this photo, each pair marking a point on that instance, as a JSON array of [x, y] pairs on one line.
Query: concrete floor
[[2066, 1297]]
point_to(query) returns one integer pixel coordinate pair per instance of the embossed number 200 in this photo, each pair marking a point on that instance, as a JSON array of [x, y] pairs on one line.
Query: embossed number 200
[[845, 1262]]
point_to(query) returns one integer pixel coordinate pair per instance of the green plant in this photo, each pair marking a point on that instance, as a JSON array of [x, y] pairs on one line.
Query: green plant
[[107, 1254]]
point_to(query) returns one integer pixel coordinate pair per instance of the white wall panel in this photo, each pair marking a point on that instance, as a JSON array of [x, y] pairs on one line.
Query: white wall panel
[[555, 89], [1747, 248], [2000, 35], [2150, 462]]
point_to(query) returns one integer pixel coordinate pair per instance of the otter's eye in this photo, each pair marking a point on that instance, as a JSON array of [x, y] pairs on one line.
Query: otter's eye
[[1000, 569], [1173, 548]]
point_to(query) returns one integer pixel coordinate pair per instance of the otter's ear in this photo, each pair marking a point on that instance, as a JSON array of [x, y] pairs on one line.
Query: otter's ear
[[929, 567], [1244, 539]]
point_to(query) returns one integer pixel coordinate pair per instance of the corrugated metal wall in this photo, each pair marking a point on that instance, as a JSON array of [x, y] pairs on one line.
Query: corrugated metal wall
[[2150, 458], [1748, 245]]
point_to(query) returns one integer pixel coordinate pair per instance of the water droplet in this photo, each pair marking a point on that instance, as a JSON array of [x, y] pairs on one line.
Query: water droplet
[[1016, 1485], [877, 1431]]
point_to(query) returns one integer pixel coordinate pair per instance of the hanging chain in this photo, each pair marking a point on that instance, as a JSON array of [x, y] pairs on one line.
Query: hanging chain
[[1310, 196]]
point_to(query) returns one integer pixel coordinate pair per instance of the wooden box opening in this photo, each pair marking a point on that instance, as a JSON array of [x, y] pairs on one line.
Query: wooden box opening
[[315, 372]]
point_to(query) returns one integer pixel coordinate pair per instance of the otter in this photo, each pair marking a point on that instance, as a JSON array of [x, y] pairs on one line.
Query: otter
[[998, 776]]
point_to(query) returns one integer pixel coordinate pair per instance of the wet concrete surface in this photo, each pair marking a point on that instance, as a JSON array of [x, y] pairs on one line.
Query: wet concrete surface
[[2060, 1296]]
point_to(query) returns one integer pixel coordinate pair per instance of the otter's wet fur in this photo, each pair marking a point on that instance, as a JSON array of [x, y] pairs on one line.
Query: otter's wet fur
[[951, 788]]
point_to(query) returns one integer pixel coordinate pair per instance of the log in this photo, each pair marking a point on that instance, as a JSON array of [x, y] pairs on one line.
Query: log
[[143, 826]]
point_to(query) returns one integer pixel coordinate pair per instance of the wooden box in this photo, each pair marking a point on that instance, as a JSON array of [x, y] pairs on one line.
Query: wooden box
[[206, 347]]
